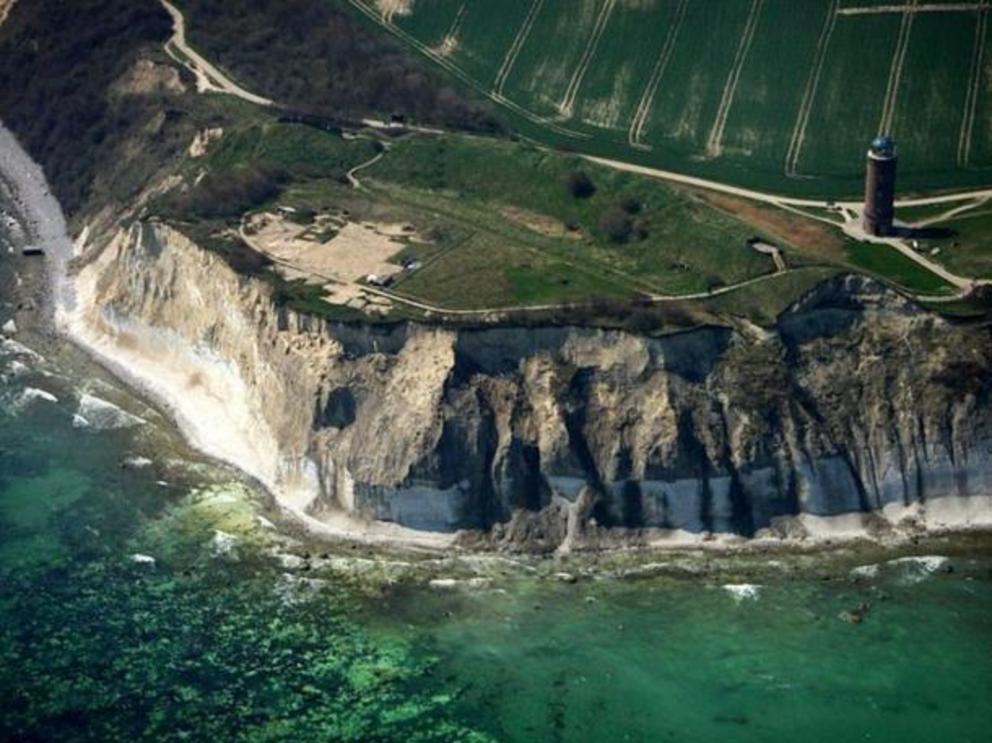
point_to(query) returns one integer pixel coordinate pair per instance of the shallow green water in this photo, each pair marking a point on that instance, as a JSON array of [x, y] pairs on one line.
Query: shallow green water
[[218, 639]]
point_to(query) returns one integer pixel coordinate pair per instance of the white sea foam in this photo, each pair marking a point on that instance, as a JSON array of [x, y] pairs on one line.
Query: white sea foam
[[742, 591], [138, 462], [865, 571], [103, 415], [10, 347], [31, 394], [922, 563]]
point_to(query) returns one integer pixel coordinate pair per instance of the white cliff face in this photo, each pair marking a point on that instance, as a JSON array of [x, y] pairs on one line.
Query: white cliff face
[[861, 411]]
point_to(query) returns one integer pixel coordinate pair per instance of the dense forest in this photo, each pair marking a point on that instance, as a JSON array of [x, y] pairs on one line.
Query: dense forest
[[314, 55], [60, 63], [58, 60]]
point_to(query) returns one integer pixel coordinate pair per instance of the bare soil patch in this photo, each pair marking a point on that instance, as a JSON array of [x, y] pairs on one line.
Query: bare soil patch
[[392, 8], [539, 223], [809, 236], [329, 248], [5, 8], [146, 77]]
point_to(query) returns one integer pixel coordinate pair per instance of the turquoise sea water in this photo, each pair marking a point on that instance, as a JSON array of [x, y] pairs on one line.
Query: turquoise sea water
[[220, 639]]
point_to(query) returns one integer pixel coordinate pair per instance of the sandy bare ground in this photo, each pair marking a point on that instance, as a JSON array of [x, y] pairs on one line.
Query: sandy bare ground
[[202, 141], [5, 7], [449, 44], [539, 223], [392, 8], [356, 251], [340, 263]]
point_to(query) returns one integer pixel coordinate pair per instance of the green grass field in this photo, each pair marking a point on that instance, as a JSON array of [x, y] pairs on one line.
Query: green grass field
[[502, 228], [967, 250], [886, 263], [506, 189], [780, 95]]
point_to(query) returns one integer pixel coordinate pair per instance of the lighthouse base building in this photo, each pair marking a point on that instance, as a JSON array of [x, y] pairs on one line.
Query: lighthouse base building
[[880, 187]]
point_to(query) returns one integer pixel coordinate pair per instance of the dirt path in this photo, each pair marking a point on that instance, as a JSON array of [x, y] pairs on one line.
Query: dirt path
[[350, 175], [944, 216], [714, 144], [208, 77]]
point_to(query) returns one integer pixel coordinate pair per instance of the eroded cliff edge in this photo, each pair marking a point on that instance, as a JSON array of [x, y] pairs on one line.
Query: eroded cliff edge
[[858, 405]]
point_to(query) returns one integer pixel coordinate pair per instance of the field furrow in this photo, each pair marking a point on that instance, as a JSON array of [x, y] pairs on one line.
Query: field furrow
[[935, 81], [974, 88], [715, 141], [756, 92], [809, 92], [636, 130], [587, 54], [895, 72], [429, 27], [696, 76], [518, 42], [850, 100], [542, 70]]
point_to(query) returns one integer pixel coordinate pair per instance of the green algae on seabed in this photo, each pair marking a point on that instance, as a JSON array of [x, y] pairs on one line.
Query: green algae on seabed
[[123, 616]]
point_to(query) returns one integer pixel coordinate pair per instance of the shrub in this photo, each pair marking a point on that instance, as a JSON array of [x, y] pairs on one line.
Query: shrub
[[579, 184], [631, 205], [616, 225]]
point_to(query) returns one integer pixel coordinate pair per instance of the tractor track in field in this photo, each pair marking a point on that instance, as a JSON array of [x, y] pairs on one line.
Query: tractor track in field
[[568, 101], [714, 143], [974, 87], [895, 71], [362, 7], [914, 8], [514, 51], [809, 93], [635, 134]]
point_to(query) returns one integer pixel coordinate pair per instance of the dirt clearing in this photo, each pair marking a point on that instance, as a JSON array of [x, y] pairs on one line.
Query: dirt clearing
[[809, 236], [328, 248]]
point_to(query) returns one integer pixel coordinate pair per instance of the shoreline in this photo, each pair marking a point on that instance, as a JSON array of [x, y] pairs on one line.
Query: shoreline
[[196, 416]]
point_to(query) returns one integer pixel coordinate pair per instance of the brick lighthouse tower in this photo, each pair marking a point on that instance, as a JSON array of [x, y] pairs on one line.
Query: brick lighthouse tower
[[880, 186]]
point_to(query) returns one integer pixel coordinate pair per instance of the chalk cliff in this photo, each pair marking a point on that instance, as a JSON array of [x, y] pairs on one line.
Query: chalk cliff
[[857, 403]]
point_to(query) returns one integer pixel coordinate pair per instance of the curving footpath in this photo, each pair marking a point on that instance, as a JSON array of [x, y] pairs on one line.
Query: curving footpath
[[208, 77]]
